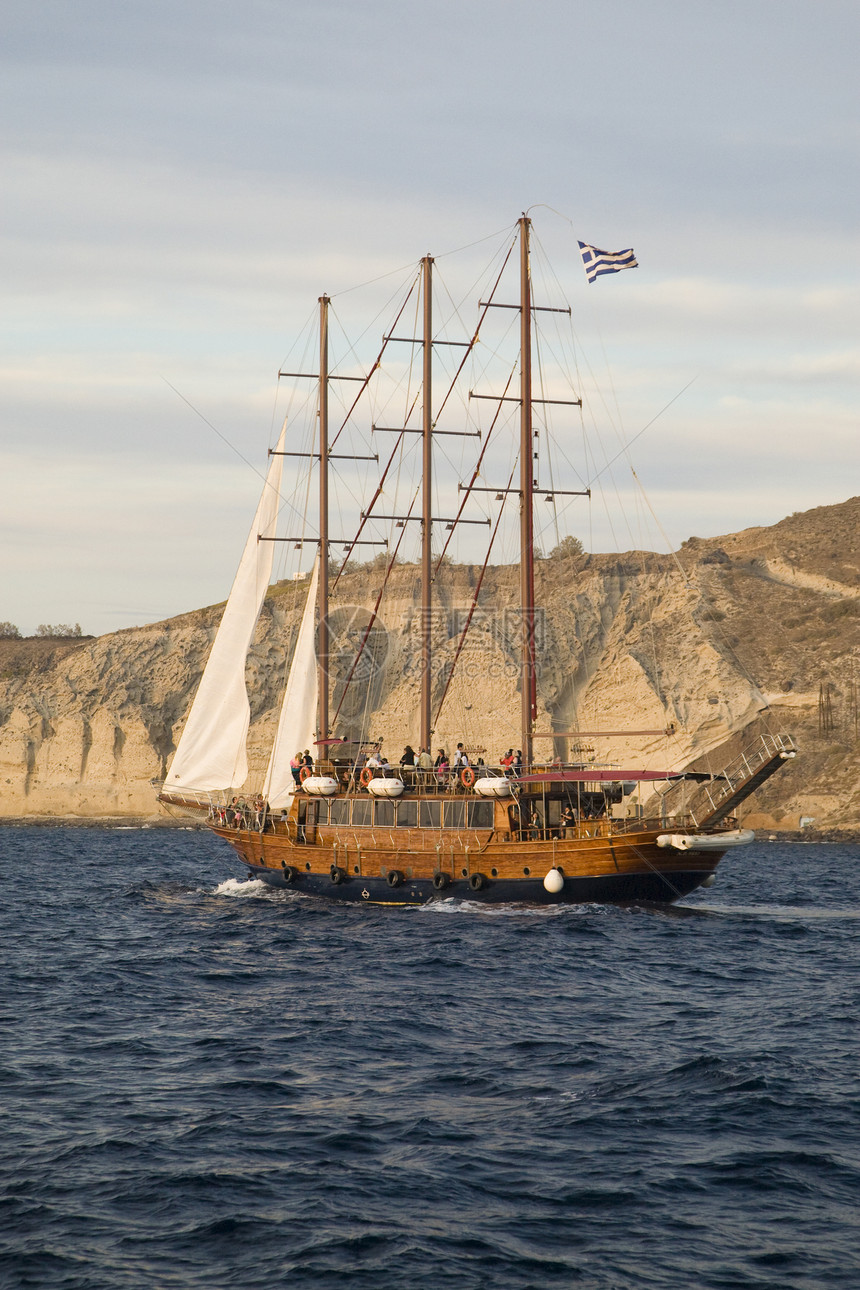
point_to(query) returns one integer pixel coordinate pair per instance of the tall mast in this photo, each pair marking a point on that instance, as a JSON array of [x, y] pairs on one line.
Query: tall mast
[[322, 599], [528, 684], [427, 519]]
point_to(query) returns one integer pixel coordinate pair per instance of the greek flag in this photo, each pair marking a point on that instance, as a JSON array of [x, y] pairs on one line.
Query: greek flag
[[597, 261]]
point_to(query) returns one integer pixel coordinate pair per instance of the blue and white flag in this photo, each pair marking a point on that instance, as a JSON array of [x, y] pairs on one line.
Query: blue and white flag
[[597, 261]]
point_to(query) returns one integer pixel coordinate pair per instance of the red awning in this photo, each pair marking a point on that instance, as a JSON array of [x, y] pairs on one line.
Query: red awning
[[597, 776]]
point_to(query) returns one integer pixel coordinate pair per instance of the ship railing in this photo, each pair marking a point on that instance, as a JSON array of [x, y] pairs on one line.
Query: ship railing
[[605, 826], [429, 781], [745, 767], [189, 798]]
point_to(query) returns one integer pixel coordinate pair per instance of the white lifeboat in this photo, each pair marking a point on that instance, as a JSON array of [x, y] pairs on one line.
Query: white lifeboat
[[706, 841], [320, 785], [492, 786], [379, 787]]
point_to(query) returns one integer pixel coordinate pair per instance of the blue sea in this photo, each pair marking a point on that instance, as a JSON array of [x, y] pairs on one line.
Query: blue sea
[[203, 1084]]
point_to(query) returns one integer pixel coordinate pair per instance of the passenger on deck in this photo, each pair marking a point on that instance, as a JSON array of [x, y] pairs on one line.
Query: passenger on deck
[[407, 764], [425, 767], [296, 767], [507, 761], [461, 760], [568, 822], [441, 767]]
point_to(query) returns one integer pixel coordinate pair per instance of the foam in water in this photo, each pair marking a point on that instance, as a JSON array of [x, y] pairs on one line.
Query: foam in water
[[238, 887], [453, 905]]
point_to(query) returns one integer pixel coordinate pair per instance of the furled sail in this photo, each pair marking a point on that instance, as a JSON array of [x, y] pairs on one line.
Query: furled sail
[[297, 723], [212, 753]]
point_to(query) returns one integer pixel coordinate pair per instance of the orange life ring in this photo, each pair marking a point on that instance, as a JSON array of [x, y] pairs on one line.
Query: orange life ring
[[366, 776], [467, 777], [305, 773]]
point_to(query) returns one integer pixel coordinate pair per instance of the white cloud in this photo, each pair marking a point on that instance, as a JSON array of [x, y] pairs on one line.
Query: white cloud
[[182, 182]]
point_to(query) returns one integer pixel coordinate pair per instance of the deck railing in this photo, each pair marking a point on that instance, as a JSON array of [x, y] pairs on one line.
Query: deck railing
[[745, 768]]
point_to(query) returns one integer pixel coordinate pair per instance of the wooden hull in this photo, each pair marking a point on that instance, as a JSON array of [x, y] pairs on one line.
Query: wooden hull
[[372, 869]]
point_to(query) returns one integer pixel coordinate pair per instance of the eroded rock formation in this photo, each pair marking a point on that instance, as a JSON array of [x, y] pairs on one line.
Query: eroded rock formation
[[755, 627]]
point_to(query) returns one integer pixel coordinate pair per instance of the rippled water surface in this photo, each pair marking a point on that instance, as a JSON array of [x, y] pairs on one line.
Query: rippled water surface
[[202, 1084]]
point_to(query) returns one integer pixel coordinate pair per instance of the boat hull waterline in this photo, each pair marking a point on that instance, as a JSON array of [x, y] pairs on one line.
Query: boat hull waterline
[[607, 870]]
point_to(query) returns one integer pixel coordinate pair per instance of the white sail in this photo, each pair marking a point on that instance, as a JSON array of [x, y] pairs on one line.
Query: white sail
[[297, 723], [212, 749]]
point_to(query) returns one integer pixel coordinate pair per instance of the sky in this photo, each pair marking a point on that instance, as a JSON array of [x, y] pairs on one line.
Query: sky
[[182, 180]]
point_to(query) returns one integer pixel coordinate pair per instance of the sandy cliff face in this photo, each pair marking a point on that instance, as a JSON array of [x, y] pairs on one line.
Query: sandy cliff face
[[759, 626]]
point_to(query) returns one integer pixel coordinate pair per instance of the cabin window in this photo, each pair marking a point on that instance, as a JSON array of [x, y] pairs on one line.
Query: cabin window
[[339, 811], [361, 812], [407, 815], [480, 815], [383, 814], [430, 815], [455, 815]]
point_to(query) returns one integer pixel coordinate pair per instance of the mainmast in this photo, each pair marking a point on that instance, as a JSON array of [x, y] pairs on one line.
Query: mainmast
[[322, 595], [427, 505], [528, 680]]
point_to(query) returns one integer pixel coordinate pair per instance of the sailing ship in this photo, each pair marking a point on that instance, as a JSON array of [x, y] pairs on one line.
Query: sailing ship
[[550, 825]]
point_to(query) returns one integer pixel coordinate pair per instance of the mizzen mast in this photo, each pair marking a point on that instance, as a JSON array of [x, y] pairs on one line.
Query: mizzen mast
[[528, 681]]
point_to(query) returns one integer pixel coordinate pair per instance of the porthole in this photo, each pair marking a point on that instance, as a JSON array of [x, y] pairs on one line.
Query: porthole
[[464, 872], [308, 866], [355, 868], [527, 871], [494, 872]]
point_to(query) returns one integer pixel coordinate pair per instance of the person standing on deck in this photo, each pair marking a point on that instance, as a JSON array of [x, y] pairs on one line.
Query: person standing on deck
[[441, 766], [425, 767]]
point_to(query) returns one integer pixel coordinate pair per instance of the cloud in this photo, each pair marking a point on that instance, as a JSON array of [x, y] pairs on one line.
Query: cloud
[[182, 182]]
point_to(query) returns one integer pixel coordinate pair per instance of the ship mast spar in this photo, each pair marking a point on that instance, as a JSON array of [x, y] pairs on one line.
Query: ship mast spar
[[427, 505], [322, 601], [528, 680]]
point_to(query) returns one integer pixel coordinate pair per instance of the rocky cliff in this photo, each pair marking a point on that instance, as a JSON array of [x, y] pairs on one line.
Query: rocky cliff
[[758, 628]]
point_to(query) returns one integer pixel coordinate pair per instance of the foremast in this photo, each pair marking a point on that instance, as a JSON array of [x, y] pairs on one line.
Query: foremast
[[322, 589], [528, 669]]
